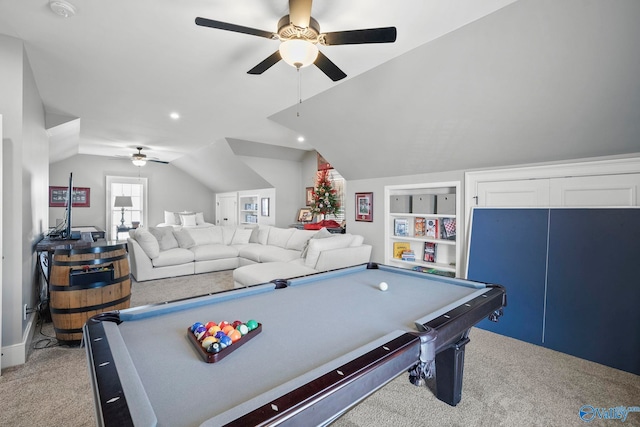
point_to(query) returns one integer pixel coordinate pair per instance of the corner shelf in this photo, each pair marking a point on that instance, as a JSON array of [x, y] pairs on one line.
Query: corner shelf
[[437, 204], [248, 209]]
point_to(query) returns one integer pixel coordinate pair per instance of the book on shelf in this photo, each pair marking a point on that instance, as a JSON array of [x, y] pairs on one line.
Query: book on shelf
[[401, 227], [431, 228], [419, 226], [448, 229], [408, 255], [429, 252], [399, 248]]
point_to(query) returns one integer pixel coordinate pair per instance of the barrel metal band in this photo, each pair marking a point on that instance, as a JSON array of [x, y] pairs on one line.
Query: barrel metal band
[[90, 261], [89, 308], [93, 285]]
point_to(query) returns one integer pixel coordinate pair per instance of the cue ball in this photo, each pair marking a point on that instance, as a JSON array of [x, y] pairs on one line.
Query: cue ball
[[383, 286]]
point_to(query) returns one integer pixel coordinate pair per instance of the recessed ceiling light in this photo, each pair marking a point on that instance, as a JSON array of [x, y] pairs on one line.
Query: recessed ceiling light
[[62, 8], [174, 116], [301, 139]]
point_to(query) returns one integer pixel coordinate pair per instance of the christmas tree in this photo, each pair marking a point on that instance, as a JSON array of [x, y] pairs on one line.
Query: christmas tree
[[325, 197]]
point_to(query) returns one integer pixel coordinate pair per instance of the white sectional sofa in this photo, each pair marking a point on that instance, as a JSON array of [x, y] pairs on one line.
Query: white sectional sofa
[[258, 254]]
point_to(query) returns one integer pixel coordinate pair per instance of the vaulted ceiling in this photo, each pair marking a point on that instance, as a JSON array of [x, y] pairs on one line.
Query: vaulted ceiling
[[467, 84]]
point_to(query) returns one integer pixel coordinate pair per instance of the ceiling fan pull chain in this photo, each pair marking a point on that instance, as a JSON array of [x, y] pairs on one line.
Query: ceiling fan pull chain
[[299, 92]]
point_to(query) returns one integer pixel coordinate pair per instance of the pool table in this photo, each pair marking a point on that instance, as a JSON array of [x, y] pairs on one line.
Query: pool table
[[327, 341]]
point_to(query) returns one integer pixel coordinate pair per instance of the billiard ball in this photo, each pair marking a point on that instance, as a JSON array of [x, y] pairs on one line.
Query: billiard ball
[[383, 286], [199, 330], [208, 341], [252, 324], [195, 326], [235, 335], [219, 334], [243, 329], [214, 347], [208, 325], [227, 329], [212, 330], [225, 341], [223, 324], [236, 323]]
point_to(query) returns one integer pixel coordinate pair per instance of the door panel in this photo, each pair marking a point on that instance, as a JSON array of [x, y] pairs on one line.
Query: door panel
[[606, 190], [523, 193], [228, 214]]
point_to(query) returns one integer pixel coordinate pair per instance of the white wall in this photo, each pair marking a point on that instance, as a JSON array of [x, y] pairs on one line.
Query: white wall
[[169, 188], [25, 173]]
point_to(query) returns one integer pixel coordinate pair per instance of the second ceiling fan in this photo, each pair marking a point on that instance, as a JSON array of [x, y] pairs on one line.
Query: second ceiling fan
[[299, 34]]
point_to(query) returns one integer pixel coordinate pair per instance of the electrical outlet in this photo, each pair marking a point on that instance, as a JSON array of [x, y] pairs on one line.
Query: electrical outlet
[[24, 312]]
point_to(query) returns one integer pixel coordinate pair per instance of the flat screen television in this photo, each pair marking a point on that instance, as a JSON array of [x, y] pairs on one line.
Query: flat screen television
[[63, 230]]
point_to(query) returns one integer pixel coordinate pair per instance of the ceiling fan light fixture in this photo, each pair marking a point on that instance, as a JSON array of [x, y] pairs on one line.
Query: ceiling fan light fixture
[[62, 8], [139, 162], [298, 53]]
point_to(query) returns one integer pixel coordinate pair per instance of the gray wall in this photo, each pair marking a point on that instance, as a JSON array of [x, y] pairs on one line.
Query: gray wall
[[169, 188], [25, 174]]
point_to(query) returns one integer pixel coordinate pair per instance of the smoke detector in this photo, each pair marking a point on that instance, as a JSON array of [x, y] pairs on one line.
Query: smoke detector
[[62, 8]]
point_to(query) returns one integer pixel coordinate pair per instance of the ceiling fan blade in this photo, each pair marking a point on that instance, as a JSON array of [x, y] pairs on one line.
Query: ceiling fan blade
[[157, 161], [329, 68], [204, 22], [371, 35], [266, 64], [300, 12]]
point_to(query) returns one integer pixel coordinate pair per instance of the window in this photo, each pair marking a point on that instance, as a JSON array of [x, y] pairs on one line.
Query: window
[[136, 215], [338, 184]]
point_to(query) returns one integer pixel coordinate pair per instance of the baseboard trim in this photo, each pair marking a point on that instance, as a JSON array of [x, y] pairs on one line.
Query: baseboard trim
[[16, 354]]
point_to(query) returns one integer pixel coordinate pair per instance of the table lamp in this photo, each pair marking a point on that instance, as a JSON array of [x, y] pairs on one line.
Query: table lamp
[[123, 202]]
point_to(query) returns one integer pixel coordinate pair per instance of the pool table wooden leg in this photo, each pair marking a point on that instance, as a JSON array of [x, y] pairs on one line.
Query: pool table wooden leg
[[449, 370]]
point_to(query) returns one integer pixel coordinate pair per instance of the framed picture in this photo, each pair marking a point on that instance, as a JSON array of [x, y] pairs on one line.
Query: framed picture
[[304, 215], [364, 207], [309, 196], [81, 197], [264, 206]]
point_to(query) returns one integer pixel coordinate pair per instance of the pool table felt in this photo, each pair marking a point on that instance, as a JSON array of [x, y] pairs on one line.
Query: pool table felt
[[308, 328]]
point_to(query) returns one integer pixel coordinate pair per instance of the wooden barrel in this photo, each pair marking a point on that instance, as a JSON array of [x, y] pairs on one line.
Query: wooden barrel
[[85, 282]]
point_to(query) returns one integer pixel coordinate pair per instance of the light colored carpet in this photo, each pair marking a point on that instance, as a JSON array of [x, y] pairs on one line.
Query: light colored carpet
[[506, 382]]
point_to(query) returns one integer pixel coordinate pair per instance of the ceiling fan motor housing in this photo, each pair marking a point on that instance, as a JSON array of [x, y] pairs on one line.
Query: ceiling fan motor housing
[[288, 31]]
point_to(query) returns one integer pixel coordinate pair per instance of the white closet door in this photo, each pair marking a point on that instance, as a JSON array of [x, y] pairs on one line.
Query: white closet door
[[513, 194], [589, 191], [227, 212]]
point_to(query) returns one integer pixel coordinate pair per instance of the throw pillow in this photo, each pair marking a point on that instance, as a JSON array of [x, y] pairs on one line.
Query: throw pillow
[[200, 218], [170, 218], [241, 236], [323, 233], [184, 239], [147, 242], [165, 238], [188, 220]]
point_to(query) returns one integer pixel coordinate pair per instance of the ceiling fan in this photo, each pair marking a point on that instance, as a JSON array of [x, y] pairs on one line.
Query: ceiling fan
[[299, 34], [139, 159]]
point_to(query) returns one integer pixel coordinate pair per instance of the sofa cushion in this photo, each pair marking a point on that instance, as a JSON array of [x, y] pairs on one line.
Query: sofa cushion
[[299, 239], [184, 238], [227, 233], [318, 245], [165, 237], [147, 242], [279, 236], [241, 236], [253, 251], [263, 273], [210, 252], [174, 256], [275, 254], [206, 235], [323, 233]]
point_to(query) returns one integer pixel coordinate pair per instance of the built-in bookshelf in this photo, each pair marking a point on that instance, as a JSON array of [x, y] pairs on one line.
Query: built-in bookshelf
[[248, 209], [421, 230]]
